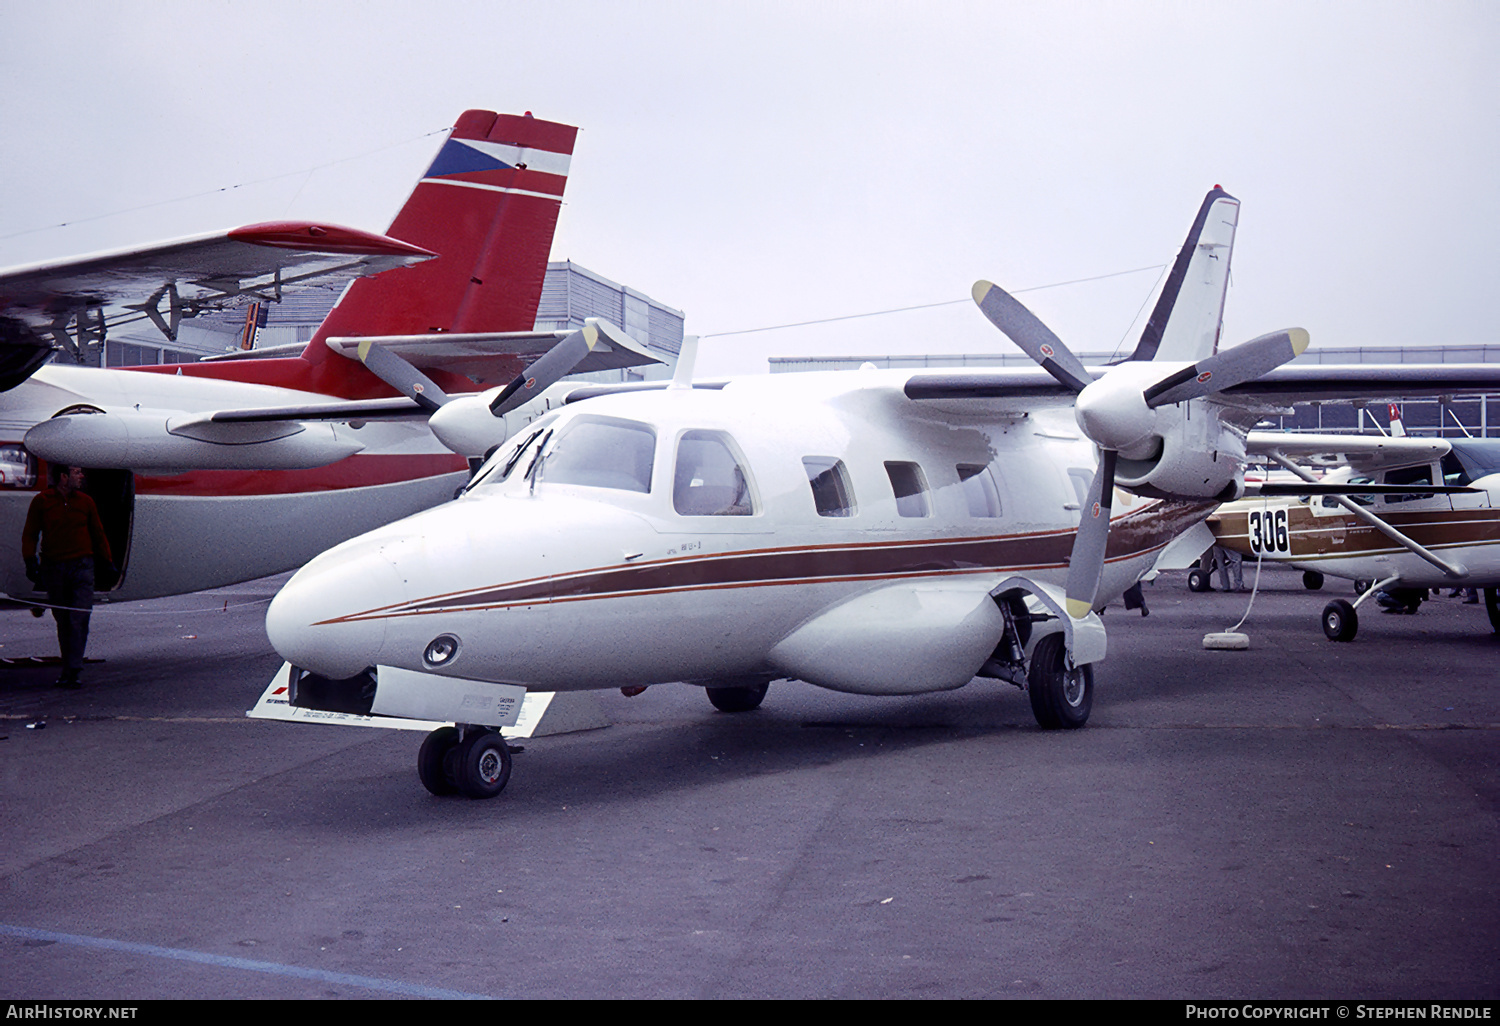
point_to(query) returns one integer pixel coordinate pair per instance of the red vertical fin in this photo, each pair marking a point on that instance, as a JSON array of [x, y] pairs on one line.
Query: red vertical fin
[[488, 206]]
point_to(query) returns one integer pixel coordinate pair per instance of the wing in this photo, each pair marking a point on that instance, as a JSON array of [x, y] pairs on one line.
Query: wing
[[41, 304], [1287, 386], [1366, 454], [1001, 392]]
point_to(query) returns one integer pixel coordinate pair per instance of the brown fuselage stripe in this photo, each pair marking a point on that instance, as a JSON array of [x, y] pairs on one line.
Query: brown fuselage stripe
[[1313, 536], [1138, 532]]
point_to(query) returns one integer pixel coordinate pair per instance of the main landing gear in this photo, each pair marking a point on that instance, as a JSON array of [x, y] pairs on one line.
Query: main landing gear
[[738, 697], [467, 759], [1061, 694], [1061, 697]]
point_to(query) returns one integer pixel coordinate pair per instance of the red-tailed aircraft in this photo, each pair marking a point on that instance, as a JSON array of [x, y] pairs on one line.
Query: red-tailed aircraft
[[223, 471]]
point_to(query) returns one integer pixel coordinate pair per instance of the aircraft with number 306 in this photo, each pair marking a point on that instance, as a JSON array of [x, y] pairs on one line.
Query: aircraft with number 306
[[872, 532], [1414, 513]]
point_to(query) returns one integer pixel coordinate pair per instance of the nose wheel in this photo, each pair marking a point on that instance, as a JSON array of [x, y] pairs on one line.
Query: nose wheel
[[474, 761]]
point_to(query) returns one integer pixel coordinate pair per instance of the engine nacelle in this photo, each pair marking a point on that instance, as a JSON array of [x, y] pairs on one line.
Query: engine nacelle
[[163, 440], [1196, 457], [466, 425]]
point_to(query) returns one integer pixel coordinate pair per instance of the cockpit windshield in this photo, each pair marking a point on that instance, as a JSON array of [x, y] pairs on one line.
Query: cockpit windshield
[[499, 466], [602, 453]]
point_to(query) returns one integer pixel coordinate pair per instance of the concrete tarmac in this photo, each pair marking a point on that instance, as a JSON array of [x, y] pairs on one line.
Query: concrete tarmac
[[1300, 820]]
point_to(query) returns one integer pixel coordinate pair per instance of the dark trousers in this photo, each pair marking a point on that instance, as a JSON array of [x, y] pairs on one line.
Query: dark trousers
[[71, 585]]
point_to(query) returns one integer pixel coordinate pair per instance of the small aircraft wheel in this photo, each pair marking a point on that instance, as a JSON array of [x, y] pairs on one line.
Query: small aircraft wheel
[[1312, 580], [1198, 580], [1060, 697], [1340, 621], [483, 765], [738, 699], [435, 749], [1492, 606], [1360, 587]]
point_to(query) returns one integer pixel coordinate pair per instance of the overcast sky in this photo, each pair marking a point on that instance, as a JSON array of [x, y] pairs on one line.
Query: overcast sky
[[760, 163]]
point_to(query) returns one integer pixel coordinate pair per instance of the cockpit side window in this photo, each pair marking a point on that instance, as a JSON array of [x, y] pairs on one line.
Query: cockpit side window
[[1408, 475], [980, 490], [710, 481], [910, 489], [602, 454], [832, 494]]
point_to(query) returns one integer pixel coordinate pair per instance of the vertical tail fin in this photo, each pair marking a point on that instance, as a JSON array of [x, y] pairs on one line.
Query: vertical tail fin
[[488, 206], [1185, 322]]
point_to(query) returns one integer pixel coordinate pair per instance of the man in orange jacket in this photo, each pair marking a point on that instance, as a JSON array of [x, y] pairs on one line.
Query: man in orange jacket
[[67, 523]]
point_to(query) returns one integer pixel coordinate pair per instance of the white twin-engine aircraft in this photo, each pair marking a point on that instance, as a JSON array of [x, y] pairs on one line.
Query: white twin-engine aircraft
[[874, 532]]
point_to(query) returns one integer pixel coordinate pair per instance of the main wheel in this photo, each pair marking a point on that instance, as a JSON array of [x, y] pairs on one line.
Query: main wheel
[[1360, 587], [1492, 606], [483, 765], [1312, 580], [1340, 621], [1060, 697], [738, 699], [430, 761], [1198, 580]]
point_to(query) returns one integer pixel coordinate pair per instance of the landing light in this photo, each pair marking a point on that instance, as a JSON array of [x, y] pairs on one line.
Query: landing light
[[440, 650]]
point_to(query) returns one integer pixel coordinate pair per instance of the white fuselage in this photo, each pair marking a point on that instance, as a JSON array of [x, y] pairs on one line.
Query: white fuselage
[[581, 570], [197, 529]]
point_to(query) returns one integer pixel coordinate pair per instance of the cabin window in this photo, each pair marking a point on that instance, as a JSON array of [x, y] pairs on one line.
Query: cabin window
[[603, 454], [909, 487], [980, 490], [832, 494], [710, 481], [1408, 475]]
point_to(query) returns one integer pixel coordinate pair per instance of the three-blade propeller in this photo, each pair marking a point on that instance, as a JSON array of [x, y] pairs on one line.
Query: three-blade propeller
[[1115, 412]]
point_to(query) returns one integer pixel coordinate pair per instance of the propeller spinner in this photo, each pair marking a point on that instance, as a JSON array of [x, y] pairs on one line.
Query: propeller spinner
[[1116, 411]]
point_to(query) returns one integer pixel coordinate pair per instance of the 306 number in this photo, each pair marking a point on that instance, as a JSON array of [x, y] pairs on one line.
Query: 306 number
[[1269, 531]]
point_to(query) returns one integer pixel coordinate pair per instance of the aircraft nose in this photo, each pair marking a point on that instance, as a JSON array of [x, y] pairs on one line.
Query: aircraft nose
[[322, 620]]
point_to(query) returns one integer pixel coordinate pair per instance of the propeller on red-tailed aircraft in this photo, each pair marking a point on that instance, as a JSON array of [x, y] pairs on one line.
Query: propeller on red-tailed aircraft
[[549, 368], [1115, 412], [397, 372], [555, 364]]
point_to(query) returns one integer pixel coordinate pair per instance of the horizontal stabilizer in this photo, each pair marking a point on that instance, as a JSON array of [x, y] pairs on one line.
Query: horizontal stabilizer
[[491, 357]]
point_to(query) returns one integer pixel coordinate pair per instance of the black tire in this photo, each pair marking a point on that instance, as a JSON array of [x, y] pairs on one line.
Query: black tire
[[1360, 587], [1198, 580], [738, 699], [1312, 580], [1492, 606], [430, 761], [1060, 698], [1340, 621], [482, 768]]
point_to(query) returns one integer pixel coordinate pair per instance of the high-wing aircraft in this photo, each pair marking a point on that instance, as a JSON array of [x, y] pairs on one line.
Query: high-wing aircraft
[[216, 472], [1413, 513], [873, 532]]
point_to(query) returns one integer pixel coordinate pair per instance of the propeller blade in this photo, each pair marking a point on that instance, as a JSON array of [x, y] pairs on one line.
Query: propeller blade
[[1229, 368], [1026, 330], [402, 376], [558, 362], [1086, 565]]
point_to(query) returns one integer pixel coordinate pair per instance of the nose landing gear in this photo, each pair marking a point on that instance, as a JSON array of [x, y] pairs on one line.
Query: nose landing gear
[[470, 760]]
